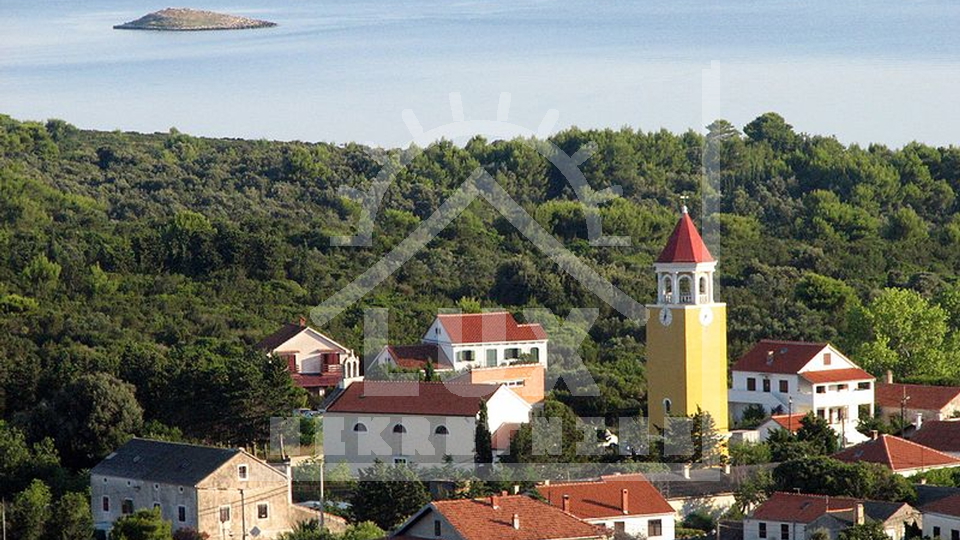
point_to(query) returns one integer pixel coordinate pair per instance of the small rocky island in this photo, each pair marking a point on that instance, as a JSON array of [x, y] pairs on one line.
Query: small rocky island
[[184, 19]]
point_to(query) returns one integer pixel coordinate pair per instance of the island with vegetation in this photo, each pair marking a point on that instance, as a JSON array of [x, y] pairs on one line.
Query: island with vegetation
[[184, 19]]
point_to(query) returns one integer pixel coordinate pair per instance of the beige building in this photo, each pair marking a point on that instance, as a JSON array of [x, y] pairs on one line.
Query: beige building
[[224, 492]]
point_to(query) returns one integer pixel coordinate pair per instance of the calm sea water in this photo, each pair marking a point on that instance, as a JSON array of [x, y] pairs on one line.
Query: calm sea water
[[886, 71]]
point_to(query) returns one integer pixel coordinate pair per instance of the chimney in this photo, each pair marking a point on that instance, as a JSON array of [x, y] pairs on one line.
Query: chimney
[[858, 514], [726, 469], [769, 358], [495, 502], [624, 501], [686, 471], [516, 521], [923, 481], [516, 489], [503, 493], [566, 503], [889, 376], [303, 322], [874, 434], [919, 421], [546, 482]]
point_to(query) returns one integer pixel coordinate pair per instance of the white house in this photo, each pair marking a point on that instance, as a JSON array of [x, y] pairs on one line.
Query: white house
[[623, 503], [414, 422], [316, 362], [799, 377], [941, 519], [486, 339], [796, 516]]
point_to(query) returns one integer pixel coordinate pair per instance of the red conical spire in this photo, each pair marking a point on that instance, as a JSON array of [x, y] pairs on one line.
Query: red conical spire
[[685, 244]]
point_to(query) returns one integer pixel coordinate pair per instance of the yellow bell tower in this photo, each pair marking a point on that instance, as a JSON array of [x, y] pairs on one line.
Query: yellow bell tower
[[686, 333]]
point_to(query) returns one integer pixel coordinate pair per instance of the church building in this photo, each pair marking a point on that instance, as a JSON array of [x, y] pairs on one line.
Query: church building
[[686, 333]]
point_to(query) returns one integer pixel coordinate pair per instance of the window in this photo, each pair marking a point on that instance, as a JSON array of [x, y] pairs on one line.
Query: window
[[465, 356], [511, 354], [514, 384], [954, 534], [667, 404], [766, 385], [181, 513], [936, 532], [784, 387], [442, 430], [619, 527], [242, 472], [863, 386], [156, 487], [360, 427], [763, 530], [399, 461], [535, 354], [654, 528], [263, 511], [224, 514], [827, 359], [127, 506], [156, 505], [437, 529], [106, 504], [751, 384], [821, 389], [491, 357], [399, 428], [821, 414], [841, 387], [784, 531]]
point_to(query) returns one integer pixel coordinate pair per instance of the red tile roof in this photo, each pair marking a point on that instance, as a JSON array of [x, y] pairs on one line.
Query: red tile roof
[[413, 398], [942, 435], [788, 356], [416, 356], [602, 499], [281, 336], [800, 508], [685, 244], [896, 454], [921, 396], [477, 519], [488, 327], [836, 375], [788, 421], [949, 506]]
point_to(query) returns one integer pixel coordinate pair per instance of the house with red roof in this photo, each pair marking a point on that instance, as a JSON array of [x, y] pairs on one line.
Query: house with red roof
[[796, 516], [899, 455], [491, 339], [941, 518], [789, 422], [315, 361], [917, 402], [942, 435], [500, 517], [627, 504], [414, 422], [799, 377]]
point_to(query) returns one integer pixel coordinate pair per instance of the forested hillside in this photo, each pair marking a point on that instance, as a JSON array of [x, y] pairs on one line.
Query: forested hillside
[[143, 267]]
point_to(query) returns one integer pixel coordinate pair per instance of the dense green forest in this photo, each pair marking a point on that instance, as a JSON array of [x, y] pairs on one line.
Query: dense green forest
[[144, 267]]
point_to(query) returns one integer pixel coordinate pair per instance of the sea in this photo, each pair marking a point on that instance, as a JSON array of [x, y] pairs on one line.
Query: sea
[[392, 72]]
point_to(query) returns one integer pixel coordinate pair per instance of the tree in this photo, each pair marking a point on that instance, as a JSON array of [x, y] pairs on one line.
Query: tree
[[818, 434], [753, 490], [865, 531], [387, 495], [773, 129], [366, 530], [31, 512], [827, 476], [142, 525], [71, 518], [94, 415], [482, 438], [186, 533]]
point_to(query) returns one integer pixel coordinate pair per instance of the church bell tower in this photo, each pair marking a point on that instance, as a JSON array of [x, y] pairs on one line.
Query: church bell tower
[[686, 333]]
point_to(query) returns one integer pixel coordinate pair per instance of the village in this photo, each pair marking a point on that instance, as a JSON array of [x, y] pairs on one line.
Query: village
[[470, 392]]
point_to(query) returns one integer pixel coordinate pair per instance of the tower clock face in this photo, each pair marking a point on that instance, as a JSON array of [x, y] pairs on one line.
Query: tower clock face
[[666, 317], [706, 316]]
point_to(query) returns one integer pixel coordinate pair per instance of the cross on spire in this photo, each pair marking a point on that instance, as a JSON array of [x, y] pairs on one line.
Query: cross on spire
[[683, 203]]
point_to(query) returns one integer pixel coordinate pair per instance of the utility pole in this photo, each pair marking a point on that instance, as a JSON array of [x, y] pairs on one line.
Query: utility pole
[[323, 498], [243, 514], [903, 411]]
